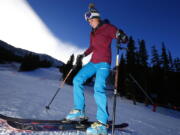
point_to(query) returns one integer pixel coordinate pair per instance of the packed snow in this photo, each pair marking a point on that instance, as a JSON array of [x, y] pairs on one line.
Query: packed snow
[[25, 95]]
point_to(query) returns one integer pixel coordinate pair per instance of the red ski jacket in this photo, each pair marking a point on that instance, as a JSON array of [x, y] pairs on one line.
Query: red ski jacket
[[100, 43]]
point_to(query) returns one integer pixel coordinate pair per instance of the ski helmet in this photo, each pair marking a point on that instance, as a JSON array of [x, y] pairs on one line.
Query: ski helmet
[[92, 13]]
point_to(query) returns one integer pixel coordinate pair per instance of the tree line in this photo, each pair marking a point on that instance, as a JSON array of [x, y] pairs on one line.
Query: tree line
[[158, 75]]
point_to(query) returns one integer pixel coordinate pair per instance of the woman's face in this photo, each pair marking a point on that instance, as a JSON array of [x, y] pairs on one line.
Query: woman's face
[[93, 22]]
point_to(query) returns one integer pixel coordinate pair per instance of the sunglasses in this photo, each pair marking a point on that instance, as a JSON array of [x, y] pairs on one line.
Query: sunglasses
[[88, 15]]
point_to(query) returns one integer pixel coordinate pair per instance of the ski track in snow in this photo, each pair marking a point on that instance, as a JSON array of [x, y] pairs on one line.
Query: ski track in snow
[[25, 95]]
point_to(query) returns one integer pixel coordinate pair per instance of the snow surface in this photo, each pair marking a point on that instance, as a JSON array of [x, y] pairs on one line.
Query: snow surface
[[25, 95]]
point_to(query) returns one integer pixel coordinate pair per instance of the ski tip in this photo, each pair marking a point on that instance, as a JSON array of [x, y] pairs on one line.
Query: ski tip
[[124, 125], [120, 126], [47, 107]]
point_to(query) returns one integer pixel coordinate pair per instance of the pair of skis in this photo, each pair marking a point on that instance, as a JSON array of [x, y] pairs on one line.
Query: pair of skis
[[33, 125]]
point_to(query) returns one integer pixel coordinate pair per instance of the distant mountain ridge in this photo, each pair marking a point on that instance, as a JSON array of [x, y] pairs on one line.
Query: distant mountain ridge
[[19, 52]]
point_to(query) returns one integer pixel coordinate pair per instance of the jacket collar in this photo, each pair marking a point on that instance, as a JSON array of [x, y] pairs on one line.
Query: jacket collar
[[99, 25]]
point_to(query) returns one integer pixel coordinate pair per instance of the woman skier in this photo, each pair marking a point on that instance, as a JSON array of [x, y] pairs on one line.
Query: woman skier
[[100, 46]]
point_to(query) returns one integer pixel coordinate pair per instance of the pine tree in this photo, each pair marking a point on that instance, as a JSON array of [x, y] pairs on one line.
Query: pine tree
[[155, 60], [170, 61], [122, 75], [76, 69], [137, 58], [142, 70], [71, 61], [132, 60], [67, 67], [131, 56], [177, 64], [165, 76], [79, 63], [164, 59], [155, 74], [143, 56]]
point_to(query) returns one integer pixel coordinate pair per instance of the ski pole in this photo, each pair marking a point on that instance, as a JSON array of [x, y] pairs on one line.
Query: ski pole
[[116, 87], [61, 86]]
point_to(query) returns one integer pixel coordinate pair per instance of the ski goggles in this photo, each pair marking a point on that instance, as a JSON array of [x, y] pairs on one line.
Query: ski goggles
[[90, 15]]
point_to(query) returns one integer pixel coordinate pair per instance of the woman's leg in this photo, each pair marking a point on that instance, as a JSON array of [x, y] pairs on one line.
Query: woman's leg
[[100, 94], [86, 72]]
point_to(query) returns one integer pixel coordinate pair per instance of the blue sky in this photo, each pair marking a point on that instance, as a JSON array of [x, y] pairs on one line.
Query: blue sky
[[155, 21]]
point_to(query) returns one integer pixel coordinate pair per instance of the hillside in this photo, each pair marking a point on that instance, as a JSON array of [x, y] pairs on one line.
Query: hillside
[[25, 95], [11, 53]]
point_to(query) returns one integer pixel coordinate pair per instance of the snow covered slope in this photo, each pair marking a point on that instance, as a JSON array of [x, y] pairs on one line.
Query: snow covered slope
[[25, 95]]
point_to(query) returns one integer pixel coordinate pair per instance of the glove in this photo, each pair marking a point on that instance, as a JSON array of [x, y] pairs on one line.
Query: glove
[[121, 37], [80, 56]]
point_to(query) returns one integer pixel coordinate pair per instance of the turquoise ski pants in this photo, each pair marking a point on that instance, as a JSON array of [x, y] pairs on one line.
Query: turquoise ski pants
[[101, 70]]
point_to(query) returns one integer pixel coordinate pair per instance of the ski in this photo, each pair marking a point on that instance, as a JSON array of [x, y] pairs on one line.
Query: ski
[[52, 125]]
